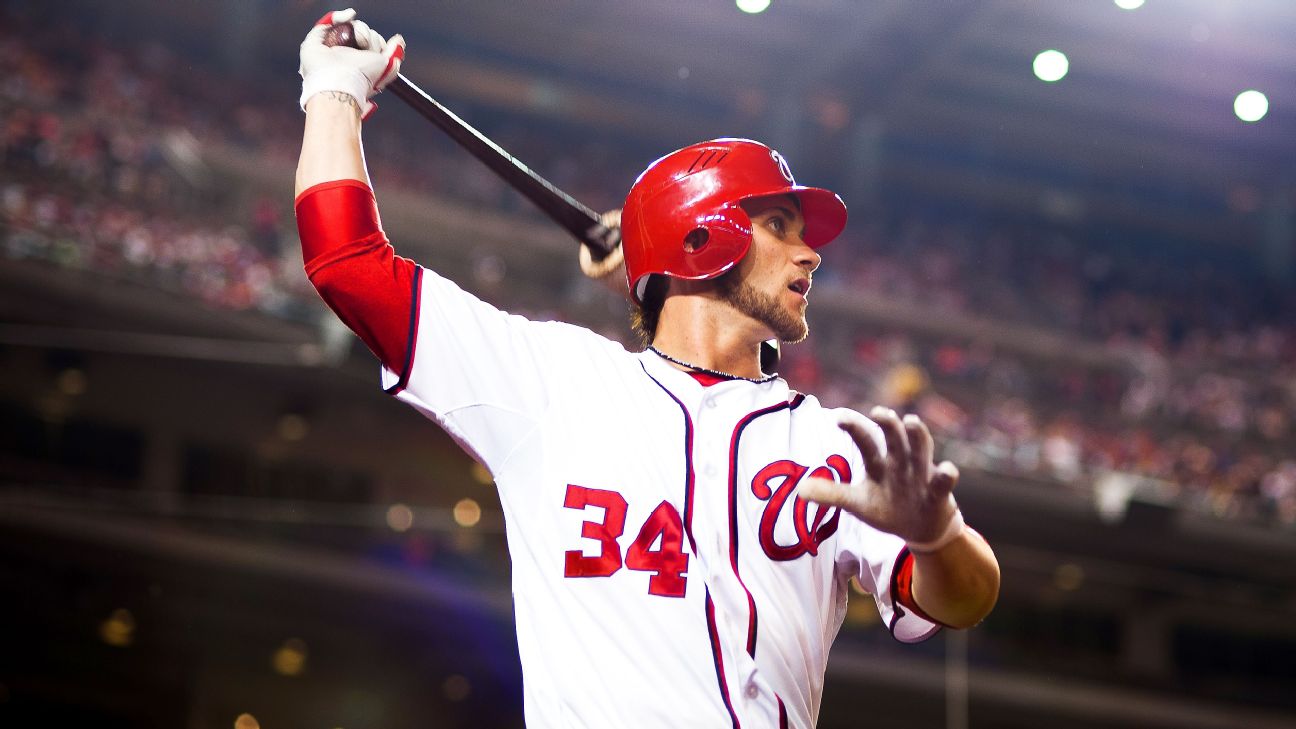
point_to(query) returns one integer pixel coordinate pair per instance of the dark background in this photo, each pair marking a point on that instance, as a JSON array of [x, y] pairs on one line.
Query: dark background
[[208, 508]]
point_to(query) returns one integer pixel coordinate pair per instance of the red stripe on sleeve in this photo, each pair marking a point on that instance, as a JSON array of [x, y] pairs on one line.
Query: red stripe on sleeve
[[902, 586], [355, 269]]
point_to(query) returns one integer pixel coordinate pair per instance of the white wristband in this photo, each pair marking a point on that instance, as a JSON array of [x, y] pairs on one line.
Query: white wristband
[[953, 531]]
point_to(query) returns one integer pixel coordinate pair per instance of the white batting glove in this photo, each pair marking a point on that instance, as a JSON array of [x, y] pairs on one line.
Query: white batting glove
[[360, 72]]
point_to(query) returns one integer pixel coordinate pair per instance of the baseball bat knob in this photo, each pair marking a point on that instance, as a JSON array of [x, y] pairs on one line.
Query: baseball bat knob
[[341, 34]]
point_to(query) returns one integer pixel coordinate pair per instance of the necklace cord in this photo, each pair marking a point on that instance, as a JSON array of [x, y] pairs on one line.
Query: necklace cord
[[704, 370]]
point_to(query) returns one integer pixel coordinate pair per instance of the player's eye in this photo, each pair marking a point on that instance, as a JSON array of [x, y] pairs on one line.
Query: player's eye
[[777, 224]]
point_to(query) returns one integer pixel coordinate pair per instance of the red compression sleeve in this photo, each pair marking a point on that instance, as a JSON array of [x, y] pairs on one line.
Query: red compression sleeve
[[356, 271]]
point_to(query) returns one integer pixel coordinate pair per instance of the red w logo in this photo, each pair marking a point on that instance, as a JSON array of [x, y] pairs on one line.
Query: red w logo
[[787, 474]]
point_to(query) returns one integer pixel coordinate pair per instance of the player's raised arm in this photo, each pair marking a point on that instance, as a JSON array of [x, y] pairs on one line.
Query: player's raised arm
[[347, 255], [955, 578]]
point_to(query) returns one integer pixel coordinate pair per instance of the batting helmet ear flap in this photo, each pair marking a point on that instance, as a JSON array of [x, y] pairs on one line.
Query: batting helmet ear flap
[[720, 239]]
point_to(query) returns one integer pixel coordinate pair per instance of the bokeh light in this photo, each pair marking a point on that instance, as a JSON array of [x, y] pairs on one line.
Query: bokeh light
[[1051, 65], [753, 6], [292, 427], [290, 658], [1251, 105], [72, 381], [118, 629], [481, 474], [467, 513], [456, 688], [400, 517], [1129, 4], [1068, 577]]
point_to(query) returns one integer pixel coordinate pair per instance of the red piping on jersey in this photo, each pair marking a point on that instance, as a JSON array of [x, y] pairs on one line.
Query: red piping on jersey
[[718, 661], [403, 374], [902, 590], [733, 509], [688, 460], [783, 720]]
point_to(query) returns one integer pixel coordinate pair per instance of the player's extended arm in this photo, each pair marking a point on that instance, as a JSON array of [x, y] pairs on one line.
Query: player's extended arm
[[955, 578]]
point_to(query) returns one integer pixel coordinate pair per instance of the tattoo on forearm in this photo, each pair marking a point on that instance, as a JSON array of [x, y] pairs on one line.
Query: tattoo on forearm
[[344, 98]]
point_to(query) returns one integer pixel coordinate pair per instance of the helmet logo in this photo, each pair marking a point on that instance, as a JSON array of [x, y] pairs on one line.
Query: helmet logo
[[783, 166]]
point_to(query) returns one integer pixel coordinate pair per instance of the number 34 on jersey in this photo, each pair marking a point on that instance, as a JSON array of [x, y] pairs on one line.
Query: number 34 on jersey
[[666, 561]]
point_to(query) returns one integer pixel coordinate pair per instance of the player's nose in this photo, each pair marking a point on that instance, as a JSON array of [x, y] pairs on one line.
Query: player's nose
[[807, 257]]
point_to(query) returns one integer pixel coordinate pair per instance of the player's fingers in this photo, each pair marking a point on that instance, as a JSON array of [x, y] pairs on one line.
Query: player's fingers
[[604, 267], [611, 219], [315, 36], [395, 53], [333, 17], [898, 453], [828, 492], [364, 36], [945, 479], [861, 430], [373, 39], [921, 448]]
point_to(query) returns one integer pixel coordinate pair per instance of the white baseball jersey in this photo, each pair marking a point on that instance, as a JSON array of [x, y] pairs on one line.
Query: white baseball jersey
[[663, 573]]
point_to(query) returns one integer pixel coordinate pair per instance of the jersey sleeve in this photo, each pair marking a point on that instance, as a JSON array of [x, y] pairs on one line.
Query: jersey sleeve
[[486, 377], [883, 566]]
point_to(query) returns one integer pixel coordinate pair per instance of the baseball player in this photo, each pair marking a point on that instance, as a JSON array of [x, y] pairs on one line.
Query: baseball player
[[682, 526]]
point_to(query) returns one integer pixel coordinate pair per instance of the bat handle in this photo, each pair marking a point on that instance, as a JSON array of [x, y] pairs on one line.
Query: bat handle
[[600, 239]]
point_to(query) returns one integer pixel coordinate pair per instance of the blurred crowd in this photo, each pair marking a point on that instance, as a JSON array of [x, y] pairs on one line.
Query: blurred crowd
[[102, 149], [1217, 442]]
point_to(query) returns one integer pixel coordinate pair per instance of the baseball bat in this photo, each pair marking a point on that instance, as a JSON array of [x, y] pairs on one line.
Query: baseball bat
[[570, 214]]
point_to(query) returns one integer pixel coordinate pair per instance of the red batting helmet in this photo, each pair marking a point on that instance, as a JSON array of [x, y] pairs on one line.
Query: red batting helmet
[[683, 216]]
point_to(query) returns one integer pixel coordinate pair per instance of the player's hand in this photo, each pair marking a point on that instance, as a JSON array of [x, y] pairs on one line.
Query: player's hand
[[905, 494], [359, 72], [611, 269]]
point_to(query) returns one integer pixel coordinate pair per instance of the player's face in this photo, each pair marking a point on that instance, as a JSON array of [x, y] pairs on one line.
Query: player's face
[[770, 283]]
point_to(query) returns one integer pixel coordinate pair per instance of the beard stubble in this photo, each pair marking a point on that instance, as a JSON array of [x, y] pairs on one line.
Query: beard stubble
[[787, 327]]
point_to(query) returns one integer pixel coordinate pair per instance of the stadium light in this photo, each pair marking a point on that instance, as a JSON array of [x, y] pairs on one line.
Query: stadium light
[[753, 6], [1129, 4], [1051, 65], [1251, 106]]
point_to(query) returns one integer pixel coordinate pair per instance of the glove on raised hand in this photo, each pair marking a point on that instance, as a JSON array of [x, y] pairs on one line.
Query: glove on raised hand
[[360, 72]]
